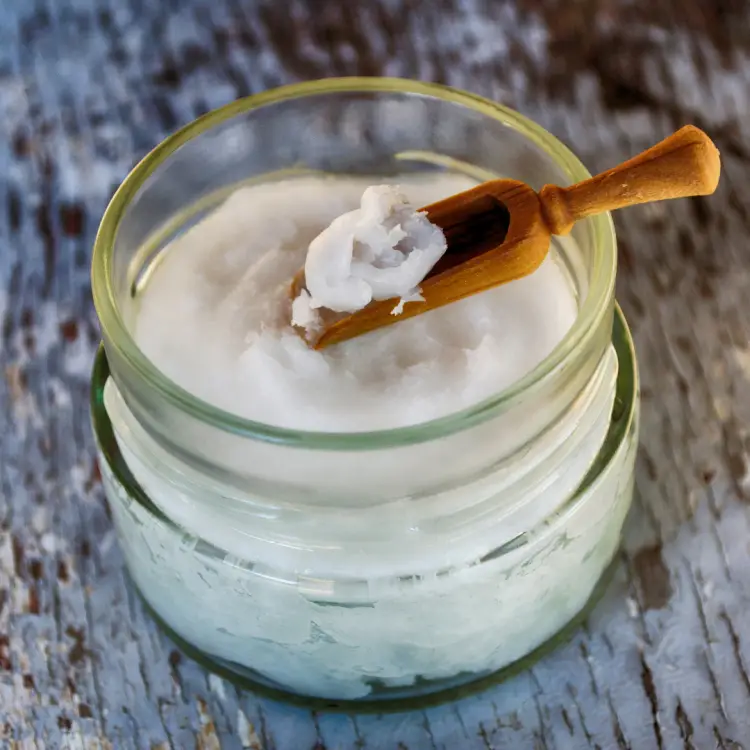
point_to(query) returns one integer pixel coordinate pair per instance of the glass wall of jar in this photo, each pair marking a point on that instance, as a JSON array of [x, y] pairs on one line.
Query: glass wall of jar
[[360, 565]]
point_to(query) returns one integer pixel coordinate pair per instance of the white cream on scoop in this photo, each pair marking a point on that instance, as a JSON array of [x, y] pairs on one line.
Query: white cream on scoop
[[381, 250]]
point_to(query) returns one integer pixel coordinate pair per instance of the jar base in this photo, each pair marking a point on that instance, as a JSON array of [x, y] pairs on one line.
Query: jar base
[[421, 695]]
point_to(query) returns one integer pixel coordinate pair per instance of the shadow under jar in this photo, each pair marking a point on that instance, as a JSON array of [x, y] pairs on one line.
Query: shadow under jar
[[366, 565]]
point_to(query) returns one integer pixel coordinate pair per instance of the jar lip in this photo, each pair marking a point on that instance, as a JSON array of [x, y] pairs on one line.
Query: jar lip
[[594, 308]]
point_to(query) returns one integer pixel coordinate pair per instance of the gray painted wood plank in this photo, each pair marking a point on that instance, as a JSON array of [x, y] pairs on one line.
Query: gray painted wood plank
[[87, 86]]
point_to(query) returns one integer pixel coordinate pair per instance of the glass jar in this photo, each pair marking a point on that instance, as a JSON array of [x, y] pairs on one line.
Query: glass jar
[[364, 565]]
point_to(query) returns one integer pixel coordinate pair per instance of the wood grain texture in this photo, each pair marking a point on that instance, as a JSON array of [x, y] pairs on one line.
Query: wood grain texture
[[683, 165], [499, 231], [86, 86]]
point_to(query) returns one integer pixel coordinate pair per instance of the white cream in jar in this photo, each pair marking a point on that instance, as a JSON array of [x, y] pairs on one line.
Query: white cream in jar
[[215, 317], [376, 595]]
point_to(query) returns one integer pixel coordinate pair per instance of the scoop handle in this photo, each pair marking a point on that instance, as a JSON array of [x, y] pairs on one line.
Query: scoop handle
[[684, 164]]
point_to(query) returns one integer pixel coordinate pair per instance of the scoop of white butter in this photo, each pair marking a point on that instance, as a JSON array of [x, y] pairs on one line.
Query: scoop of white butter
[[381, 250]]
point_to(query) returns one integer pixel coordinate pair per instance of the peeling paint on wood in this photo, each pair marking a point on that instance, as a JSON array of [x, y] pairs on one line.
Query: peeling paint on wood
[[652, 577], [88, 86]]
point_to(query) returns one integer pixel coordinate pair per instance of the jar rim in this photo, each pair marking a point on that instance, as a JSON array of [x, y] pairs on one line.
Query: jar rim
[[595, 307]]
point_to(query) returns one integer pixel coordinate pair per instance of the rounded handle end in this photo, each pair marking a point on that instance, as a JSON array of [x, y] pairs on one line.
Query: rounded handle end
[[706, 160]]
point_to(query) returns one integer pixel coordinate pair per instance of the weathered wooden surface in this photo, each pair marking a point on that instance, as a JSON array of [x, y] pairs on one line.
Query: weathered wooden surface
[[87, 86]]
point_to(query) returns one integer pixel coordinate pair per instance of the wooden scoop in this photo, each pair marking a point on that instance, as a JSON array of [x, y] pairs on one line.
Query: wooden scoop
[[500, 230]]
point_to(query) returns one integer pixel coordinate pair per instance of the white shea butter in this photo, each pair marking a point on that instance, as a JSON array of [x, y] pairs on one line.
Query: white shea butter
[[381, 250], [215, 315]]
